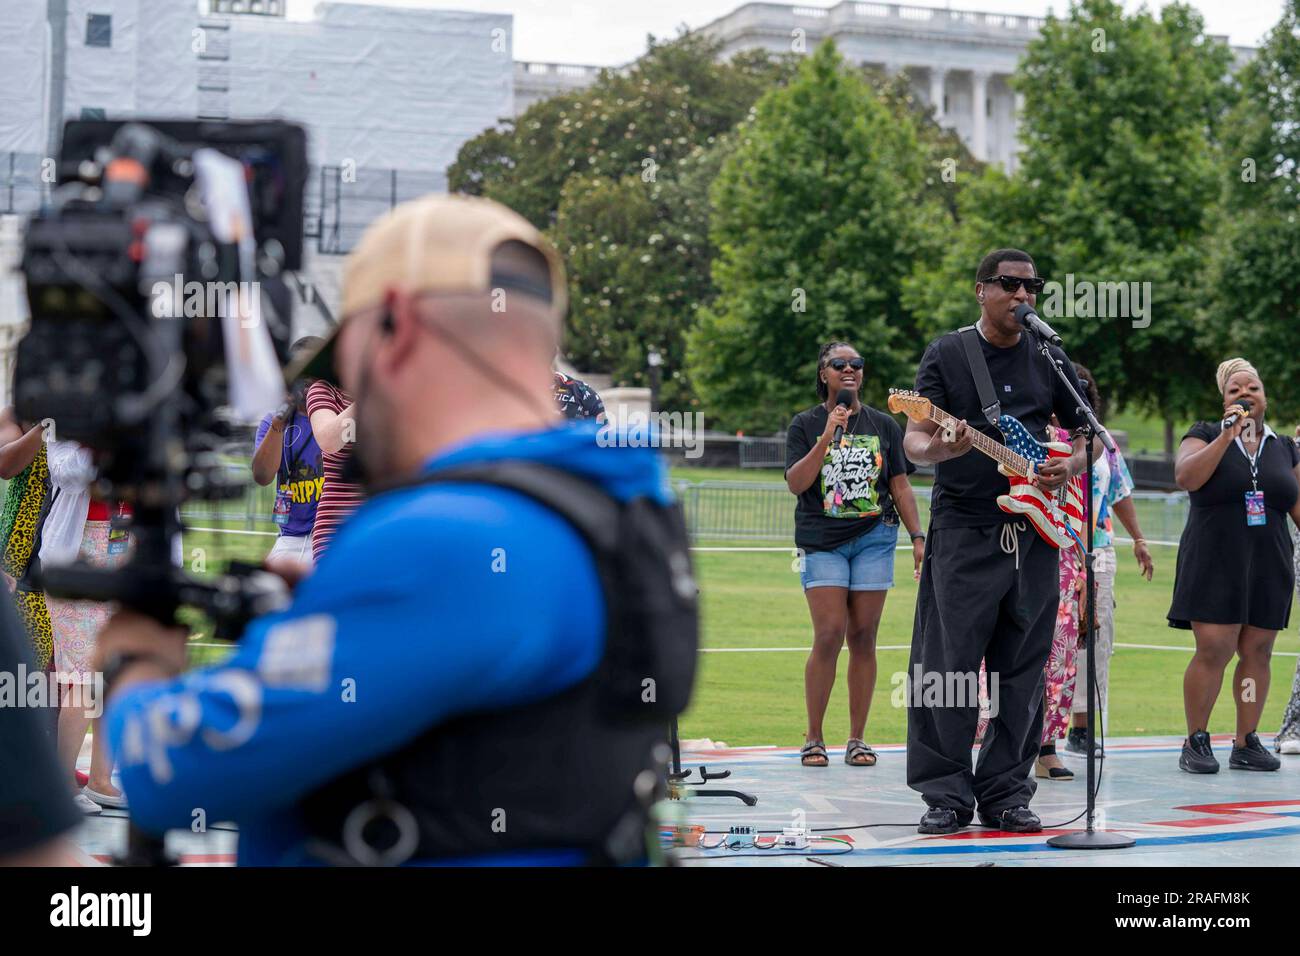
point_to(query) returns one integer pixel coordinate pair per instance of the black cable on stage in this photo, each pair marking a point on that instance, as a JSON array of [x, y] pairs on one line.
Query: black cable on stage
[[1101, 764]]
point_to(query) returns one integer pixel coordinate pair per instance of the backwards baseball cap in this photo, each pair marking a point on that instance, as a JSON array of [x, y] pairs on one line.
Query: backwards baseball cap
[[437, 244]]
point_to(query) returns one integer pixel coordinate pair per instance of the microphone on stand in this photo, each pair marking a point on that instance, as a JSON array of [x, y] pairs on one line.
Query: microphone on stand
[[1027, 317], [1231, 420], [844, 399]]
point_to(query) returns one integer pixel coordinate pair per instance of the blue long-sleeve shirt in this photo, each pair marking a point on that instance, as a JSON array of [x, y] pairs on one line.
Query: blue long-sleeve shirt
[[431, 602]]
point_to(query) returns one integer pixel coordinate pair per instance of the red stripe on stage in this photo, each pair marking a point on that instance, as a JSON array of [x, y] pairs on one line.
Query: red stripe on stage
[[1225, 813], [997, 834]]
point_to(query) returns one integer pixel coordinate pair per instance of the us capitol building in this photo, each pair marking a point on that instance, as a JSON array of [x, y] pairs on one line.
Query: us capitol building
[[388, 95], [957, 61]]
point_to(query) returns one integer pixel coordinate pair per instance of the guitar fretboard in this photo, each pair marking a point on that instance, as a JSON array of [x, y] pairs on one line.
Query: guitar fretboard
[[1018, 464]]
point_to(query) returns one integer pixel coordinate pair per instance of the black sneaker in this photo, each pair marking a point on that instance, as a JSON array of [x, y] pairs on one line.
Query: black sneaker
[[1014, 820], [1198, 756], [1253, 756], [1076, 742], [940, 820]]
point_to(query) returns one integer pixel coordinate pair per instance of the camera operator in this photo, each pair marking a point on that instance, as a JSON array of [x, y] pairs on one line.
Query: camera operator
[[36, 812], [432, 693], [287, 453]]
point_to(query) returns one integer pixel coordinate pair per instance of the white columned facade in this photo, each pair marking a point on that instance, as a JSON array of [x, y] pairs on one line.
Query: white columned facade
[[937, 77], [938, 48], [979, 85]]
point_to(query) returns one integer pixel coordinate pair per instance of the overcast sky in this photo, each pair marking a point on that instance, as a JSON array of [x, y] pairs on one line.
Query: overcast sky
[[612, 32]]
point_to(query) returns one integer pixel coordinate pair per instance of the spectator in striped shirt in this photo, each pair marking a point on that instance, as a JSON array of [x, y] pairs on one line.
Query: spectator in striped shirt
[[333, 423]]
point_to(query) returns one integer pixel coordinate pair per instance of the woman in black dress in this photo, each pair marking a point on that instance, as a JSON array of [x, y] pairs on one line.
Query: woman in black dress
[[1234, 578]]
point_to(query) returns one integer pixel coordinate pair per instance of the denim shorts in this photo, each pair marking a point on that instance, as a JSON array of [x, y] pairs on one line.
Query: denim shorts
[[865, 563]]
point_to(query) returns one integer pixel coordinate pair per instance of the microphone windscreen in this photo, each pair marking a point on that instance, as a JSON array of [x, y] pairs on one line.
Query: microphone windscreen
[[844, 397], [1246, 404]]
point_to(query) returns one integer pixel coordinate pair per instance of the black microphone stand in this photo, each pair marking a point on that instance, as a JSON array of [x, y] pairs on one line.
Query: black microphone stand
[[1089, 838]]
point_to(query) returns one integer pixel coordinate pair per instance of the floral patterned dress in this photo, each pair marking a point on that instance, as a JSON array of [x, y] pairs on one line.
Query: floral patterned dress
[[1059, 672]]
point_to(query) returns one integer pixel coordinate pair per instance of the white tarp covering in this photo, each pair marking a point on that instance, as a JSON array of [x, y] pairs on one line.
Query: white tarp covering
[[150, 68], [101, 78], [381, 86], [166, 59], [24, 54]]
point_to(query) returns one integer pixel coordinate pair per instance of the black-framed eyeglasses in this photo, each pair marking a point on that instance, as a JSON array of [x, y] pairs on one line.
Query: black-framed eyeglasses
[[1033, 284], [840, 364]]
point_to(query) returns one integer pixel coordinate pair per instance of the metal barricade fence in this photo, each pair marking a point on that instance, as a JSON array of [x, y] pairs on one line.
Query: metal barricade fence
[[762, 452], [742, 510], [723, 510], [23, 182]]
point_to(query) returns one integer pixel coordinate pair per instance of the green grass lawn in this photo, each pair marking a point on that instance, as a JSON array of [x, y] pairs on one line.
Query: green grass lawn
[[751, 600], [754, 600], [1145, 435], [689, 473]]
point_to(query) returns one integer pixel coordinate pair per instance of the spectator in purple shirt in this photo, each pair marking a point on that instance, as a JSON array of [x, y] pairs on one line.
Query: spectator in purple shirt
[[287, 454]]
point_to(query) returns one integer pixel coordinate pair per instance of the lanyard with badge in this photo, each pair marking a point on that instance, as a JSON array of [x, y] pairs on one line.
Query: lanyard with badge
[[283, 495], [118, 537], [1255, 514]]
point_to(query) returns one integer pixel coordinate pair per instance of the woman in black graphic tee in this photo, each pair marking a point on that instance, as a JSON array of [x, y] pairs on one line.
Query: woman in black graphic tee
[[850, 498]]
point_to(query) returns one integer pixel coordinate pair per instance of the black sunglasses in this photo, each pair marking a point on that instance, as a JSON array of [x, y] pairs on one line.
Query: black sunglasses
[[839, 364], [1033, 285]]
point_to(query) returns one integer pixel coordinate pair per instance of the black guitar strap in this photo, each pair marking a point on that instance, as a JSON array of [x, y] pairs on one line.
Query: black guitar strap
[[979, 370]]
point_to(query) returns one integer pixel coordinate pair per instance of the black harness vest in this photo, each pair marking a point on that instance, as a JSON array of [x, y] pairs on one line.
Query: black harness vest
[[574, 771]]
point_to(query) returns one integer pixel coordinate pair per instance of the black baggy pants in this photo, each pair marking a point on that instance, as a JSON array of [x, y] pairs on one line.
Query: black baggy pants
[[974, 603]]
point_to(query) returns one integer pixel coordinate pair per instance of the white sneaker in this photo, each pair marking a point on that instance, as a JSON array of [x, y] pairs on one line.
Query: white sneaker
[[86, 805], [104, 800], [1288, 745]]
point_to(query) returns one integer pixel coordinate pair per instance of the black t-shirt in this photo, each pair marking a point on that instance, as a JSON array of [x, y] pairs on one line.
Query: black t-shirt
[[966, 488], [851, 494], [1275, 461], [34, 802]]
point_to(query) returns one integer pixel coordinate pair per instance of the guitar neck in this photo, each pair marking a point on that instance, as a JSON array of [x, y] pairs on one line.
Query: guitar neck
[[1017, 464]]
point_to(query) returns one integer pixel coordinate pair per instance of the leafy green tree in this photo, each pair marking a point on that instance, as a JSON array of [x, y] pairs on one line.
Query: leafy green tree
[[1253, 293], [1117, 183], [643, 120], [638, 256], [816, 219]]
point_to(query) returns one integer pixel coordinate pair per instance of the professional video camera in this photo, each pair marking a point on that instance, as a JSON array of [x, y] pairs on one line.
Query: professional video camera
[[147, 215]]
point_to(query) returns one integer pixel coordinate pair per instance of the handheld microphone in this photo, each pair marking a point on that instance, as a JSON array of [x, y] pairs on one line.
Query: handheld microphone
[[1232, 419], [843, 398], [1027, 317]]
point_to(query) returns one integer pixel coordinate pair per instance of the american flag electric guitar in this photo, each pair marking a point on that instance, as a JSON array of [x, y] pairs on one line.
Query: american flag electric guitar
[[1057, 517]]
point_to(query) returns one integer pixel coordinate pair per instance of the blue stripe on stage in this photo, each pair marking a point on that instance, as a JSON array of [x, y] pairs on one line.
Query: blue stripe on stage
[[1199, 838]]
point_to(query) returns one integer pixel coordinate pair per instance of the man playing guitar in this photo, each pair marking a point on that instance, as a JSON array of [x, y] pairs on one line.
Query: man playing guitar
[[989, 587]]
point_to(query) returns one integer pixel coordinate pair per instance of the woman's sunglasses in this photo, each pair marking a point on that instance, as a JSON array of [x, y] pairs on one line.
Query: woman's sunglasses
[[1032, 285], [840, 364]]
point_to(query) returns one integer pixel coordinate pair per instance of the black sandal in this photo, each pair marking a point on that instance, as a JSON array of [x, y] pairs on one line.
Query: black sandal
[[857, 748], [814, 749]]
